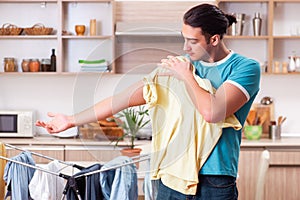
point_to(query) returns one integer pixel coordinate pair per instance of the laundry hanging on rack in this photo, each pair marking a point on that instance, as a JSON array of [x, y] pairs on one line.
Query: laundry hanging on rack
[[44, 186], [88, 186], [120, 183], [118, 178], [17, 177]]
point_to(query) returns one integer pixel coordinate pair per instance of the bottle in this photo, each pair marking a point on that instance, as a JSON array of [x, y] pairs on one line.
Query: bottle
[[297, 63], [256, 24], [276, 67], [292, 64], [53, 61]]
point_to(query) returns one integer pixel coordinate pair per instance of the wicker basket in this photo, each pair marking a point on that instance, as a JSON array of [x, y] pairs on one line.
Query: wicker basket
[[38, 29], [10, 29]]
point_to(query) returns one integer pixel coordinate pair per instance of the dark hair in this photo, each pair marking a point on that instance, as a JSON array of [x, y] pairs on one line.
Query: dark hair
[[210, 19]]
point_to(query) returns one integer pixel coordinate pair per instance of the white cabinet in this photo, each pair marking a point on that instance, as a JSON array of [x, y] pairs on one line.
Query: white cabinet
[[62, 15]]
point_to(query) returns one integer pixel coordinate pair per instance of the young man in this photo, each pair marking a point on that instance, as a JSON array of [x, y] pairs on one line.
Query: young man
[[235, 78]]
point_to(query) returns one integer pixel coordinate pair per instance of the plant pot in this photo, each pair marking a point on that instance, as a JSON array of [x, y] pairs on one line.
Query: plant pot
[[132, 153]]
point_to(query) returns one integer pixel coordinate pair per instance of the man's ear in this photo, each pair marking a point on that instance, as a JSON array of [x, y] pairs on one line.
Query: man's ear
[[215, 39]]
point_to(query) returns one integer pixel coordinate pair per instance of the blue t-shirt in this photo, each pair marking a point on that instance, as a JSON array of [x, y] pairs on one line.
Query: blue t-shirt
[[245, 74]]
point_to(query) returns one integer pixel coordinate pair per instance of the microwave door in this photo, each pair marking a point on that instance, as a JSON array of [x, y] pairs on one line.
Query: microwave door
[[8, 123]]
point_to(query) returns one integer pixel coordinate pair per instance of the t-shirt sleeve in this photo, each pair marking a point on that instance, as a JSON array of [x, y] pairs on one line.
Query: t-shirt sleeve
[[149, 89], [246, 76]]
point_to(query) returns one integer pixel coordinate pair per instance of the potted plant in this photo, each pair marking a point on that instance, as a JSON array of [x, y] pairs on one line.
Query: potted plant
[[132, 120]]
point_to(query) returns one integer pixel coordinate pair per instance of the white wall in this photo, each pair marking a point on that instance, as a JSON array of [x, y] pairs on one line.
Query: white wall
[[58, 93], [286, 94], [72, 93]]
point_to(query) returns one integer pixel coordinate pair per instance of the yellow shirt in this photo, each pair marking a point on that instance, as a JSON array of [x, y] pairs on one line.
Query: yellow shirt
[[2, 167], [181, 140]]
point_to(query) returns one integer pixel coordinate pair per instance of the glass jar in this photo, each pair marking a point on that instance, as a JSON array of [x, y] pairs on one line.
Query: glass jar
[[25, 65], [46, 65], [10, 65], [34, 65]]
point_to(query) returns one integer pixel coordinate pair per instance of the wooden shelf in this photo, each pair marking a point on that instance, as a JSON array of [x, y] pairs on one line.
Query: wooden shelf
[[65, 14]]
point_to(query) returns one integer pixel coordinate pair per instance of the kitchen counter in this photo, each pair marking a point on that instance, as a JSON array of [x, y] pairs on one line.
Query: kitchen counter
[[264, 142], [50, 140]]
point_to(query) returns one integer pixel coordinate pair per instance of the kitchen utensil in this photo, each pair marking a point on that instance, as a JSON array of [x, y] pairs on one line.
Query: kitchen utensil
[[237, 28], [283, 119], [274, 132], [257, 21], [266, 101], [262, 119], [251, 117], [280, 120]]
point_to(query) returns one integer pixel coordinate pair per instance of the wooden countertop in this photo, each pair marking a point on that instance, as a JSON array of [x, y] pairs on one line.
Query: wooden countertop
[[42, 140]]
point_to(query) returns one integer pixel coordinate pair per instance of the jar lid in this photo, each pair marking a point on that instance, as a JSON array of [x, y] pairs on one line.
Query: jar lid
[[9, 58], [46, 61]]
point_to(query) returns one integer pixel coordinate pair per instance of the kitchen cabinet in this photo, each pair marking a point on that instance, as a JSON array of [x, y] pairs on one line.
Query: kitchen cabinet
[[89, 153], [55, 152], [62, 16], [280, 36], [282, 174]]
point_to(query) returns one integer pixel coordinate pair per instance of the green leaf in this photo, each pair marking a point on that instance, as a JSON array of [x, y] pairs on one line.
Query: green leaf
[[132, 121]]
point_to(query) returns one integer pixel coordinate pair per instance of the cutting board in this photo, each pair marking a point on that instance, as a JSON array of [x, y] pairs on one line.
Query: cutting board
[[269, 111]]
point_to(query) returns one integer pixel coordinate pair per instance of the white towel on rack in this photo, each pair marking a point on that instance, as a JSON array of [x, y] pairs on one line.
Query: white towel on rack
[[45, 186]]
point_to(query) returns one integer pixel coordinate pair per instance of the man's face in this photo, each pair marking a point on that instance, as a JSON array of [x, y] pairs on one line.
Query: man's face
[[194, 43]]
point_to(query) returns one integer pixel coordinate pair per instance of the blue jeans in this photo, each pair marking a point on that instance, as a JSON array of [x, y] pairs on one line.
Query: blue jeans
[[210, 187]]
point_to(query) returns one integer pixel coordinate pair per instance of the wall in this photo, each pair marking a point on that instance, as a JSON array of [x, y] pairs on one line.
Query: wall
[[283, 89], [72, 93], [58, 93]]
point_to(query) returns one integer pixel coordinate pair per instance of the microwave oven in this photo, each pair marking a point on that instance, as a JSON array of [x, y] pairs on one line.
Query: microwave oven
[[15, 123]]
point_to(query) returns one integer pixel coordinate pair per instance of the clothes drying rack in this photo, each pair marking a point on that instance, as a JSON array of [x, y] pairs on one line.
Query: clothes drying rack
[[71, 180]]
